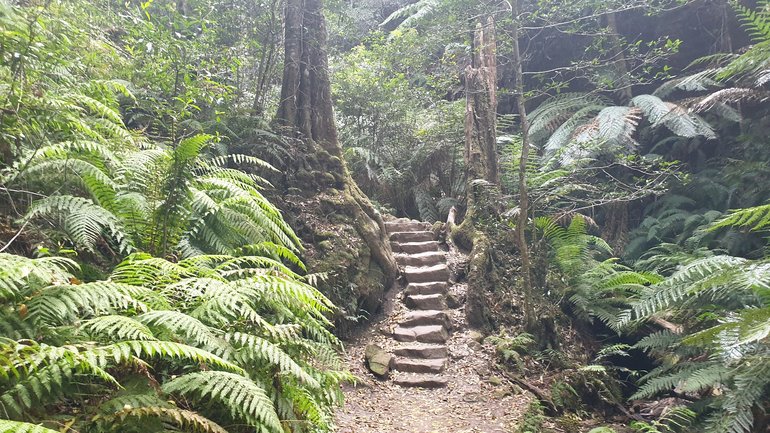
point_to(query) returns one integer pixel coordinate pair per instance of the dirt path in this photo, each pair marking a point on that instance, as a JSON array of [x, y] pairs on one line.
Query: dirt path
[[473, 400]]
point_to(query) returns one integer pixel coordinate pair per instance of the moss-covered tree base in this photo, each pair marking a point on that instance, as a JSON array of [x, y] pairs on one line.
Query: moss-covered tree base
[[344, 235]]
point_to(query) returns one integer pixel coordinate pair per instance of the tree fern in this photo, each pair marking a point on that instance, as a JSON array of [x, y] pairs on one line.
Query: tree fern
[[187, 420], [754, 218], [7, 426], [242, 397]]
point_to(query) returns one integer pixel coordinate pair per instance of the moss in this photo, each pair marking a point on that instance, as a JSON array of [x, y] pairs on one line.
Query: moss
[[533, 419], [462, 235]]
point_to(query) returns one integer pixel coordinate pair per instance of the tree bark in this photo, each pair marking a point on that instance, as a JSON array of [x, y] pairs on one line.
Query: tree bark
[[481, 107], [624, 91], [306, 111], [523, 217]]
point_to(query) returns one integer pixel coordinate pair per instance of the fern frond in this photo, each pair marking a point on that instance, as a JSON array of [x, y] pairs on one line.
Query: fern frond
[[189, 421], [8, 426], [83, 221], [242, 397], [753, 218], [118, 327], [253, 348]]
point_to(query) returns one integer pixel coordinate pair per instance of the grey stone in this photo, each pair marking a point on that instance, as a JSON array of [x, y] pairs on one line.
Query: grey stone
[[414, 247], [409, 365], [426, 274], [426, 288], [378, 360], [421, 381], [453, 301], [412, 236], [422, 334], [425, 351], [425, 302], [425, 317], [428, 258]]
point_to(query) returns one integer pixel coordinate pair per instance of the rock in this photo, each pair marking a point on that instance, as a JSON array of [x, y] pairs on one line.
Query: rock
[[494, 380], [428, 258], [453, 301], [425, 351], [426, 288], [412, 236], [460, 353], [414, 247], [425, 302], [426, 274], [502, 392], [476, 336], [421, 381], [405, 225], [385, 330], [425, 317], [422, 334], [409, 365], [378, 360]]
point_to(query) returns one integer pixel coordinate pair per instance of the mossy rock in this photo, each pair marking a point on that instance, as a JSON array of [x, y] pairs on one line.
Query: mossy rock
[[462, 236]]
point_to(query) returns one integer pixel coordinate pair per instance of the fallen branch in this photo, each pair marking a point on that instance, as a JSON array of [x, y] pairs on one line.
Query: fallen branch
[[542, 396]]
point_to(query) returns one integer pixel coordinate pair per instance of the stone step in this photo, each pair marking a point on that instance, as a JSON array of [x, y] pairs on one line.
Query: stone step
[[410, 365], [426, 288], [425, 302], [428, 258], [414, 247], [421, 334], [424, 351], [426, 274], [421, 381], [426, 318], [405, 225], [403, 237]]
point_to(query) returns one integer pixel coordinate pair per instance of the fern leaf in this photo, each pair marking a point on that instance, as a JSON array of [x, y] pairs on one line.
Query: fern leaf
[[7, 426], [243, 398]]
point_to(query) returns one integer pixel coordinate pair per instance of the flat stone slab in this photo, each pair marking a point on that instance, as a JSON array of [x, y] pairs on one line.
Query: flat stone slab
[[421, 381], [425, 318], [424, 351], [426, 288], [428, 258], [425, 302], [410, 365], [421, 334], [426, 274], [420, 236], [414, 247], [405, 225]]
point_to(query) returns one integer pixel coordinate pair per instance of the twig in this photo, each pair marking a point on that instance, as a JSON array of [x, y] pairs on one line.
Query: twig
[[14, 236]]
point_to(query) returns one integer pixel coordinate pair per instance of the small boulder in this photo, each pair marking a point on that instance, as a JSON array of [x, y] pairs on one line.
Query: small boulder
[[476, 336], [378, 360], [453, 301]]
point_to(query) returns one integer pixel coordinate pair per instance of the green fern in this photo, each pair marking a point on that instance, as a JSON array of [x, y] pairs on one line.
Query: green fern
[[7, 426], [243, 398]]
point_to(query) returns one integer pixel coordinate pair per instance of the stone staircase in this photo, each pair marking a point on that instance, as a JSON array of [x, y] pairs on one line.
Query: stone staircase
[[424, 329]]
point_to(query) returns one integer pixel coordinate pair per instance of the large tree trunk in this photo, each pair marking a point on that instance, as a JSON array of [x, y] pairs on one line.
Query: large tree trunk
[[331, 203], [481, 163], [481, 107]]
